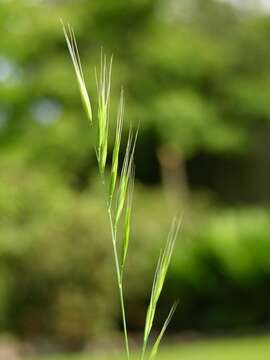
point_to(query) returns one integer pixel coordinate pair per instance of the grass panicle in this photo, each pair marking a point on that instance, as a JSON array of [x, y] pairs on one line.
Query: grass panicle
[[119, 196]]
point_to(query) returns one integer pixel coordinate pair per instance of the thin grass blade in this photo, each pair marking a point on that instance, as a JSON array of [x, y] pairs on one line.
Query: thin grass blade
[[162, 332]]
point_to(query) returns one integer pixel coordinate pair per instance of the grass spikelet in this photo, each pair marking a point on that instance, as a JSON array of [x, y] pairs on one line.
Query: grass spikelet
[[125, 174], [162, 332], [103, 88], [127, 222], [117, 143], [74, 53], [159, 279]]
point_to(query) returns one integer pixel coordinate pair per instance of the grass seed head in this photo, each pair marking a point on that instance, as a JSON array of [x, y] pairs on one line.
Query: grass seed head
[[162, 332], [75, 57], [117, 143], [103, 87], [160, 276]]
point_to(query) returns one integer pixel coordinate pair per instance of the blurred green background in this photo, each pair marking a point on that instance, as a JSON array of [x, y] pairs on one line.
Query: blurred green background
[[196, 75]]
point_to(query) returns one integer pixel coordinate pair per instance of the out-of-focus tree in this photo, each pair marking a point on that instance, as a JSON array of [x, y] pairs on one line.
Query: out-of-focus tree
[[196, 77], [195, 73]]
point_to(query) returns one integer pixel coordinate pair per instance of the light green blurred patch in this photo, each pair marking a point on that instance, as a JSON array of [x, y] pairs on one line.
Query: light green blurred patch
[[249, 348]]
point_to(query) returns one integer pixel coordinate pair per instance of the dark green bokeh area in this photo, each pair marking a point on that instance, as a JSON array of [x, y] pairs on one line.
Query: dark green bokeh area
[[196, 76]]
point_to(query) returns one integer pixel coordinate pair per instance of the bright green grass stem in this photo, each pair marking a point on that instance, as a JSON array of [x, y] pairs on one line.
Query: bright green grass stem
[[117, 264], [119, 280]]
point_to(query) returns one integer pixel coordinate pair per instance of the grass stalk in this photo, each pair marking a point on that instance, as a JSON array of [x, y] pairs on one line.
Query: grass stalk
[[119, 280], [119, 193]]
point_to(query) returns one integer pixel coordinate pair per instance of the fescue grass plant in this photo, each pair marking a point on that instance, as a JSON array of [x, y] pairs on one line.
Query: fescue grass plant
[[118, 189]]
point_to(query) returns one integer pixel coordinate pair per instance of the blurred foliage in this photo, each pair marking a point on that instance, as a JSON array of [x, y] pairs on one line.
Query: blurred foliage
[[198, 88], [53, 279], [56, 275], [221, 272], [196, 77]]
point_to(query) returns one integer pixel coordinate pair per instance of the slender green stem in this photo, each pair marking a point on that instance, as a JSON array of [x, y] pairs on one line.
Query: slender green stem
[[117, 265], [143, 350], [119, 281]]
